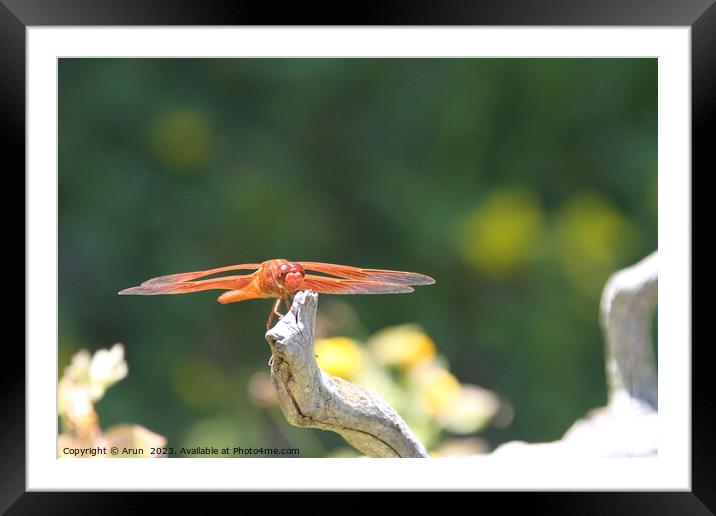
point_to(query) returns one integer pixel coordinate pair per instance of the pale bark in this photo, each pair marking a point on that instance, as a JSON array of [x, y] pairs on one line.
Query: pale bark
[[627, 305], [311, 398]]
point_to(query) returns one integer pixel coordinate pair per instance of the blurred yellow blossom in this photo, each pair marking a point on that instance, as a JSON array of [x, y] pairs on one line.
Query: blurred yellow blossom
[[76, 407], [439, 389], [472, 410], [403, 346], [83, 383], [591, 236], [500, 235], [78, 370], [106, 368], [87, 378], [339, 356]]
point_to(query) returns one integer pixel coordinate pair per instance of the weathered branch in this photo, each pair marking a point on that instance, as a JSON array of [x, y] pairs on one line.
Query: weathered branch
[[310, 398], [627, 304]]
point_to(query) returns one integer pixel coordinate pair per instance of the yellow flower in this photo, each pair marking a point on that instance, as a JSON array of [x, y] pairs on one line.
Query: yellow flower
[[472, 410], [591, 237], [403, 346], [439, 390], [339, 356], [84, 382], [107, 368], [500, 235], [78, 370], [76, 406], [95, 374]]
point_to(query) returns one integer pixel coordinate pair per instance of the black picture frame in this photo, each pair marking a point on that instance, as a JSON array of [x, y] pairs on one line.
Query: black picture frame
[[17, 15]]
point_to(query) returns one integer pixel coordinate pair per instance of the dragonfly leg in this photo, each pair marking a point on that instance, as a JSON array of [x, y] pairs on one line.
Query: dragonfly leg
[[277, 308], [274, 311]]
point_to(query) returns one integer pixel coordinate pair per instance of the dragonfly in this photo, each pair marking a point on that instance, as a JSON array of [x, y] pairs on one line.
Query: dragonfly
[[281, 279]]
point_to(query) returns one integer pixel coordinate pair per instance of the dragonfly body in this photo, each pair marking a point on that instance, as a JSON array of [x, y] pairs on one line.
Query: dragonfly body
[[281, 279]]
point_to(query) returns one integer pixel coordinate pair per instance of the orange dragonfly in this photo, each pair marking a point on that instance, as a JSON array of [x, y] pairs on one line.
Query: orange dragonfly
[[281, 279]]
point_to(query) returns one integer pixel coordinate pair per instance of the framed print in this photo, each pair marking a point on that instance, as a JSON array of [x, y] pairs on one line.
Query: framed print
[[521, 177]]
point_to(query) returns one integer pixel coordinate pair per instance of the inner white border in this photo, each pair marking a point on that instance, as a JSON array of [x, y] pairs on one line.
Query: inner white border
[[671, 470]]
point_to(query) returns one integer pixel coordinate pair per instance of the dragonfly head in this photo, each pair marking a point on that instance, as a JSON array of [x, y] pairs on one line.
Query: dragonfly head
[[291, 275]]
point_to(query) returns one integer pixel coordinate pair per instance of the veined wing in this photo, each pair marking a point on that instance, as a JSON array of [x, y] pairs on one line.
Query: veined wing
[[187, 276], [324, 285], [183, 287], [379, 275]]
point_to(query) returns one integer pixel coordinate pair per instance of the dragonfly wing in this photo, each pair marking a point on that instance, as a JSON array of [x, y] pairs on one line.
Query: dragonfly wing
[[183, 287], [378, 275], [349, 286], [187, 276]]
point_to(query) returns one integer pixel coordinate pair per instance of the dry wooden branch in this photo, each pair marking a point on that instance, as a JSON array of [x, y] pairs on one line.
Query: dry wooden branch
[[311, 398], [627, 305]]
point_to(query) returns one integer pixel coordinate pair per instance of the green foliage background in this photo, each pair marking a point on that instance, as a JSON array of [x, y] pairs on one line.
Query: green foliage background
[[519, 184]]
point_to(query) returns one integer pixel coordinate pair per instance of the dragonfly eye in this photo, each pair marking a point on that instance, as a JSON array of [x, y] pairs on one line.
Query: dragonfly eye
[[294, 276]]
